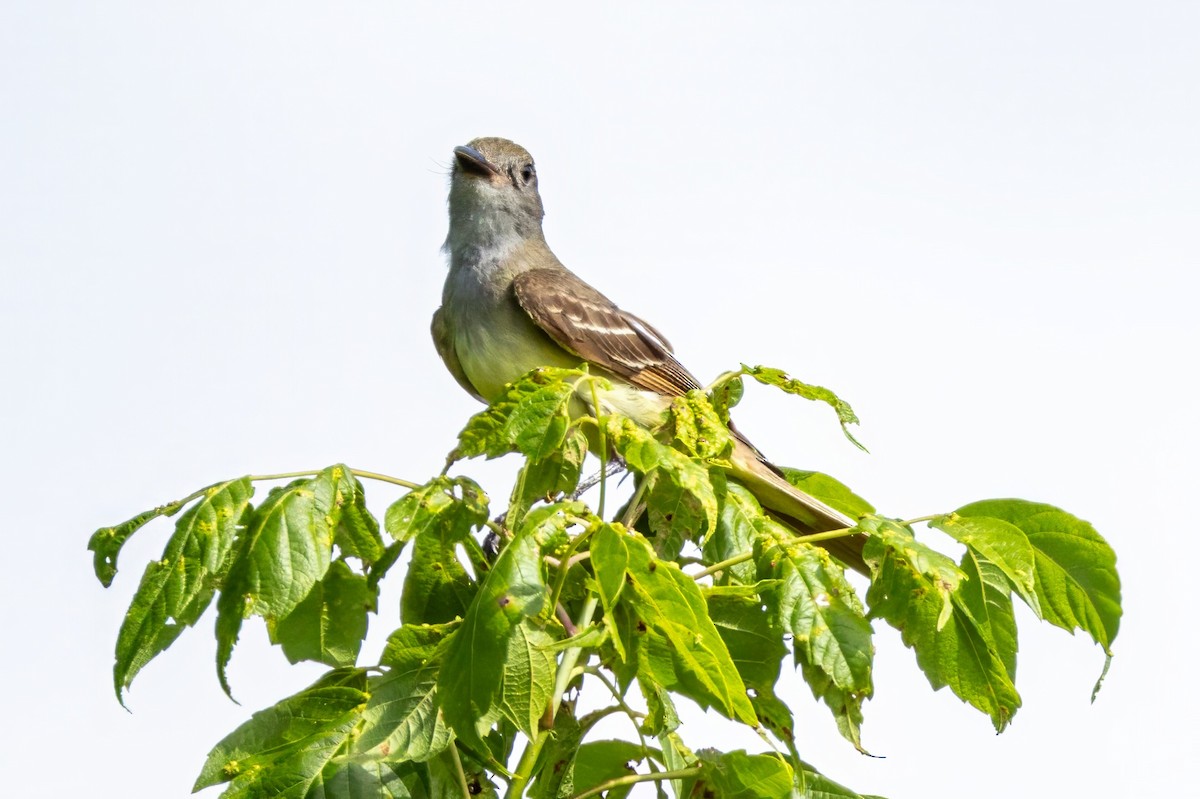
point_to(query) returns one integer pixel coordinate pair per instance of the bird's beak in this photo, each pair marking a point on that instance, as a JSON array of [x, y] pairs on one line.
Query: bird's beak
[[473, 162]]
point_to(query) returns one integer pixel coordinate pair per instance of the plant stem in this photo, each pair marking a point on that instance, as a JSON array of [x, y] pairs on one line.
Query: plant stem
[[624, 707], [634, 509], [566, 562], [458, 772], [725, 564], [724, 377], [284, 475], [841, 532], [384, 478], [802, 539], [356, 472], [566, 620], [633, 779], [578, 557], [603, 447], [591, 719], [567, 665], [524, 770]]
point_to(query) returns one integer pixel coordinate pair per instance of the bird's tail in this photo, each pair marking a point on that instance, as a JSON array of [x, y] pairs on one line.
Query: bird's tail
[[789, 505]]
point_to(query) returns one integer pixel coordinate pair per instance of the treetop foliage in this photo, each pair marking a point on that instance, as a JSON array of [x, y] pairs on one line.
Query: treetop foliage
[[688, 590]]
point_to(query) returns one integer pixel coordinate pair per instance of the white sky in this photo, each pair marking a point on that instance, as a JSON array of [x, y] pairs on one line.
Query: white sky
[[977, 222]]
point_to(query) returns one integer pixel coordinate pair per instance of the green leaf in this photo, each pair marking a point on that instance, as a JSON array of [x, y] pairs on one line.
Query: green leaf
[[106, 542], [329, 625], [600, 761], [755, 640], [779, 379], [675, 756], [437, 587], [477, 663], [379, 569], [680, 648], [815, 785], [831, 638], [176, 590], [555, 767], [610, 559], [696, 427], [414, 645], [434, 509], [737, 775], [372, 780], [829, 490], [548, 523], [538, 424], [726, 392], [284, 551], [402, 719], [357, 532], [676, 514], [1002, 544], [986, 596], [282, 751], [892, 546], [915, 590], [679, 483], [661, 716], [735, 532], [288, 544], [556, 474], [775, 715], [528, 676], [1075, 577], [530, 399]]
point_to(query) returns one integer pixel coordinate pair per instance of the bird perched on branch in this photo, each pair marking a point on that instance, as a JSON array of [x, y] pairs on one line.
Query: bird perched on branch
[[509, 306]]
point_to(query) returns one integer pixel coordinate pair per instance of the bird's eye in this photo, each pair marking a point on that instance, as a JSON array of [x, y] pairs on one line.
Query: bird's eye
[[527, 173]]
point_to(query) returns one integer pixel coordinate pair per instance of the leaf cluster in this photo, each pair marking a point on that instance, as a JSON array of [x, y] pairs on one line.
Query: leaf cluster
[[690, 590]]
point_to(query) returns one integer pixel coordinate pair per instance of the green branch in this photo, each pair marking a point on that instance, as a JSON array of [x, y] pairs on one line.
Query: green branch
[[633, 779], [725, 564], [383, 478], [602, 447], [459, 773]]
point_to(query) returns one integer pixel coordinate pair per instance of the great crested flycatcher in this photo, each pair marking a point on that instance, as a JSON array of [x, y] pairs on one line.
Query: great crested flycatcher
[[509, 306]]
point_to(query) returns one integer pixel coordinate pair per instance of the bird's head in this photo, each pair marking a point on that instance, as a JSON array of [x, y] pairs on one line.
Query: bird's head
[[493, 193]]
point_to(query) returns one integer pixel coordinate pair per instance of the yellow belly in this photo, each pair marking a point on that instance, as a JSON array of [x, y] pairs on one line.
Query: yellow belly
[[501, 353]]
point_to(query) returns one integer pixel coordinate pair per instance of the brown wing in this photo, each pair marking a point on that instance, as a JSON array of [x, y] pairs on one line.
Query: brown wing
[[585, 322]]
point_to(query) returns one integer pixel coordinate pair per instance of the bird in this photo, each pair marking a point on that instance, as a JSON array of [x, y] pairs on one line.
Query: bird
[[509, 306]]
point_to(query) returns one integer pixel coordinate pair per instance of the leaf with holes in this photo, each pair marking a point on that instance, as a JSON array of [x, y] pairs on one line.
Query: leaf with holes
[[831, 637], [915, 590]]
